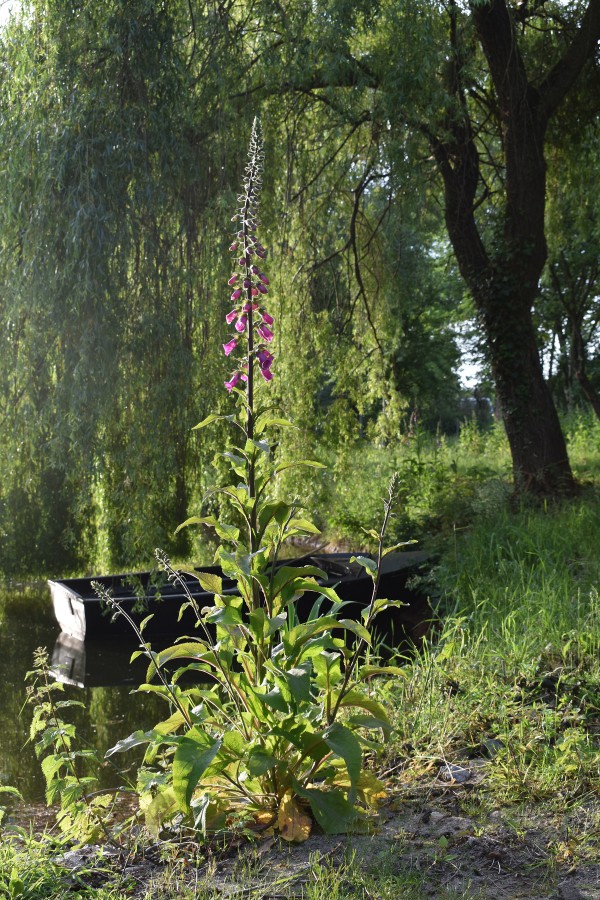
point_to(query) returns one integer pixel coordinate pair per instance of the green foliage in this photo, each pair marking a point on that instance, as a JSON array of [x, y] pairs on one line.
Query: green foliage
[[70, 771]]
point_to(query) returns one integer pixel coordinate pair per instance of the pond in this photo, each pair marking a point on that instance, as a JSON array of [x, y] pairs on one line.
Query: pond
[[103, 680]]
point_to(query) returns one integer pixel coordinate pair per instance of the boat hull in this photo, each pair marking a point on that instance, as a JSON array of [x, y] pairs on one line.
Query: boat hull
[[81, 614]]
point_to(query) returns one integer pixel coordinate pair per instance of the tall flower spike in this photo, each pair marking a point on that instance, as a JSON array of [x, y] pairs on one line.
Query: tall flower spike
[[251, 320]]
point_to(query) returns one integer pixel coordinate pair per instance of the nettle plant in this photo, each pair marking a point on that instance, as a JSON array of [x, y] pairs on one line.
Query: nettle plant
[[272, 729]]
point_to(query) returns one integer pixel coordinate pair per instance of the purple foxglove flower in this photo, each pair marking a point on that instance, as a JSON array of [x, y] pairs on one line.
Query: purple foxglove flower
[[244, 377], [265, 358], [236, 295], [230, 347], [233, 247], [232, 280], [240, 325], [262, 288], [265, 333], [231, 316], [247, 283], [267, 319], [254, 292], [267, 374], [243, 261], [255, 270], [262, 254], [250, 306], [234, 380], [263, 278]]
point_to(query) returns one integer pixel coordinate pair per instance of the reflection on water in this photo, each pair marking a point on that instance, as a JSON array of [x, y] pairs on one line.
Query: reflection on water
[[110, 710]]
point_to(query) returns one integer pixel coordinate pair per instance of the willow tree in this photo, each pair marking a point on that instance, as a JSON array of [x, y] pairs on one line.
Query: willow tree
[[112, 171], [471, 88]]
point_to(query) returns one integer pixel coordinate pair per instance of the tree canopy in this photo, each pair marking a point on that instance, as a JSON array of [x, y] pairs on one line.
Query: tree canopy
[[405, 173]]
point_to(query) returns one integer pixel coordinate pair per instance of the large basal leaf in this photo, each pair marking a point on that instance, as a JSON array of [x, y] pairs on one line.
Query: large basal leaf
[[195, 752], [293, 823], [331, 809], [344, 744], [160, 809]]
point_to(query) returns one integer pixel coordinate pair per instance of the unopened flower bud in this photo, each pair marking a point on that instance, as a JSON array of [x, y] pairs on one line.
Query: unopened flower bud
[[232, 280], [267, 318], [262, 288], [236, 295], [233, 247]]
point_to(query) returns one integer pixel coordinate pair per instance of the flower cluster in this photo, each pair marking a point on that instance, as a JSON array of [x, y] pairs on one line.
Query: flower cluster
[[250, 319]]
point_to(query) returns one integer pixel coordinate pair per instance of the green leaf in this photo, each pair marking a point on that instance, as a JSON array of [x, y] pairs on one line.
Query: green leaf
[[355, 698], [389, 550], [210, 582], [134, 740], [259, 762], [369, 722], [367, 563], [195, 752], [185, 650], [298, 682], [7, 789], [224, 615], [345, 744], [304, 525], [333, 812], [357, 629], [367, 671], [162, 808], [145, 621], [312, 463], [274, 699], [211, 418], [266, 421]]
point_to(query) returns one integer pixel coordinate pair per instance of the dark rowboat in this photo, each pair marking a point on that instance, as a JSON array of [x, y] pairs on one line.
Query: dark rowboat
[[81, 614]]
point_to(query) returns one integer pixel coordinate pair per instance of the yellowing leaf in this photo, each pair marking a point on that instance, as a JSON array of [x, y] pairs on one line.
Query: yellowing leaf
[[294, 824]]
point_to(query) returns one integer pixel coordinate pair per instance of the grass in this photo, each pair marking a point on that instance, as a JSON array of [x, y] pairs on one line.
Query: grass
[[510, 675]]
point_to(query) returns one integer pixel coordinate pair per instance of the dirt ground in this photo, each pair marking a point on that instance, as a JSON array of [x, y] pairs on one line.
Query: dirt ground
[[530, 854]]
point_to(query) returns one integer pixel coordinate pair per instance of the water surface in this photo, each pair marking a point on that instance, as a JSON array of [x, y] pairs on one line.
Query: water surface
[[110, 710]]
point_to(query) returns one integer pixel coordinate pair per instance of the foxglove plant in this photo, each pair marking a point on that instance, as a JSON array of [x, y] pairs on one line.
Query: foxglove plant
[[263, 740]]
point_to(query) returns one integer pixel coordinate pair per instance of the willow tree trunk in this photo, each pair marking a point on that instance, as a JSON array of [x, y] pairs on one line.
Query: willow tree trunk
[[503, 272]]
